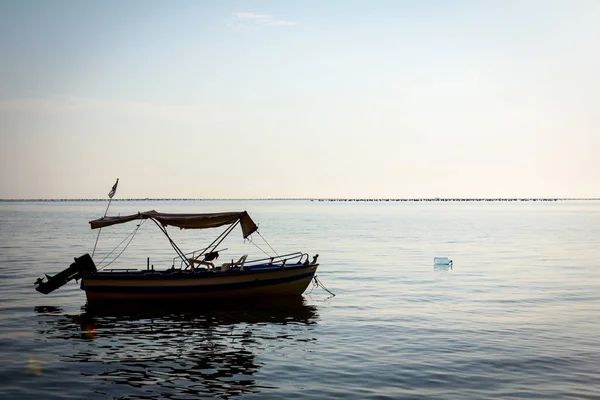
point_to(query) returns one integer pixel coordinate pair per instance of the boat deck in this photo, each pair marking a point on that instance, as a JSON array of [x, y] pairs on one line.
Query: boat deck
[[196, 273]]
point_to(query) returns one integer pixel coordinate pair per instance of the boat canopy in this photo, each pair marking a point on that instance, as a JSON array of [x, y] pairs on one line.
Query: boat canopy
[[184, 221]]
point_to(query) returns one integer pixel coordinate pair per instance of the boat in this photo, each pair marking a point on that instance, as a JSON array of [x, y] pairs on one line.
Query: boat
[[192, 275]]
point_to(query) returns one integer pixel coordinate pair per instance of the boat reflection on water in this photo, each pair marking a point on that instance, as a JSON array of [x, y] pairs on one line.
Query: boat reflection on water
[[161, 353]]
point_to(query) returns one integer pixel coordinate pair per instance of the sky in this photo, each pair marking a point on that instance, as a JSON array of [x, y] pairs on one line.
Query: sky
[[304, 99]]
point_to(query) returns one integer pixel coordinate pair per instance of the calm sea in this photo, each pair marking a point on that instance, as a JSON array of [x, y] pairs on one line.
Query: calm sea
[[518, 316]]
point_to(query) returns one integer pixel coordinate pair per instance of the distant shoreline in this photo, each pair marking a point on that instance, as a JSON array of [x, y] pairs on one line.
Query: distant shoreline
[[359, 200]]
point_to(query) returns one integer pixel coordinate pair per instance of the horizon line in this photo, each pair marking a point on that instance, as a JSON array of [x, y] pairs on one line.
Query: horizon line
[[341, 199]]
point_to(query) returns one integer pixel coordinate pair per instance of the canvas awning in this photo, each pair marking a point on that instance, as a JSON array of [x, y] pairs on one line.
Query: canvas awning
[[184, 221]]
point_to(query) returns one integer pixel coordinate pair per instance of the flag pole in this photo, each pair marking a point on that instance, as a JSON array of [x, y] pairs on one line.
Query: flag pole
[[110, 197]]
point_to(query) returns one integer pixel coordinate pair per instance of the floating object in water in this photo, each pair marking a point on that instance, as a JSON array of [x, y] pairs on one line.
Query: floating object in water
[[442, 261]]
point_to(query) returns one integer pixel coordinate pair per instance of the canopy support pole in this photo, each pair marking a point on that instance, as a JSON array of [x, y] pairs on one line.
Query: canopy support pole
[[175, 247], [220, 238]]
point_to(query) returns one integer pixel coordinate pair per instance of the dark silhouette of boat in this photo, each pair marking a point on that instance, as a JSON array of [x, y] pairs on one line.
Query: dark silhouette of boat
[[192, 275]]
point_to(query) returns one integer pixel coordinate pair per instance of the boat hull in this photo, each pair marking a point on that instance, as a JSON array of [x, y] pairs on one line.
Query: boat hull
[[181, 285]]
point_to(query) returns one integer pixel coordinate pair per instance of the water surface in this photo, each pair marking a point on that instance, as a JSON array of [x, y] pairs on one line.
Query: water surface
[[516, 317]]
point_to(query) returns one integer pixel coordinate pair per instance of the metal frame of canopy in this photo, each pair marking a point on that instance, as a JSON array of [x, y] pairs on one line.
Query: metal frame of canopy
[[187, 221], [213, 245]]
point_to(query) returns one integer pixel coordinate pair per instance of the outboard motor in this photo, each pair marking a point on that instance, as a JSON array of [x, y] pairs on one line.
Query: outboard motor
[[82, 266]]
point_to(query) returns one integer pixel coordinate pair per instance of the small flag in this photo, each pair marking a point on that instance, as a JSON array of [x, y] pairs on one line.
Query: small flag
[[114, 189]]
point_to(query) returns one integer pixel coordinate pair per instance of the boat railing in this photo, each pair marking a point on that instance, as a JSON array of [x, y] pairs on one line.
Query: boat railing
[[297, 257], [120, 269], [283, 259]]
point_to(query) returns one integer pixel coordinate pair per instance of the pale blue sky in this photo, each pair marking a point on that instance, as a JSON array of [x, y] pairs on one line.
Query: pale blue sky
[[253, 99]]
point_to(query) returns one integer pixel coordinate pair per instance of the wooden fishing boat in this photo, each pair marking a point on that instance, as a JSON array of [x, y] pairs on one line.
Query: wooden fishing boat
[[192, 275]]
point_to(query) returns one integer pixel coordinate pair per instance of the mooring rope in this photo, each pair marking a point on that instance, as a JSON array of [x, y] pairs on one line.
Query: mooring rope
[[318, 283]]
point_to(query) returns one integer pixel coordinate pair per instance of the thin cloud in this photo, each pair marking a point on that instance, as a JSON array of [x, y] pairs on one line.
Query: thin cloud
[[73, 104], [245, 19], [246, 15]]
